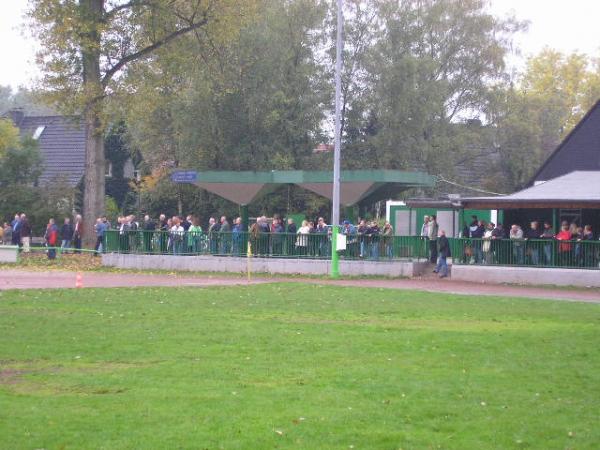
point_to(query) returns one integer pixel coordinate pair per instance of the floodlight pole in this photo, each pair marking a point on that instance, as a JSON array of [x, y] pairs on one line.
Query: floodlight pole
[[335, 220]]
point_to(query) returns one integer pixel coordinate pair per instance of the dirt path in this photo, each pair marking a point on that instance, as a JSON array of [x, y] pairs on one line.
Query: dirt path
[[23, 279]]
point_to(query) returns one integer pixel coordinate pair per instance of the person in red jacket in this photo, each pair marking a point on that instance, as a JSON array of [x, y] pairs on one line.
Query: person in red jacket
[[564, 237], [51, 238]]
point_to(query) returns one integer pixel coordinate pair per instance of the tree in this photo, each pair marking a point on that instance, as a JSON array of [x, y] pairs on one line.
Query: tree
[[87, 46], [427, 67], [565, 86], [9, 136]]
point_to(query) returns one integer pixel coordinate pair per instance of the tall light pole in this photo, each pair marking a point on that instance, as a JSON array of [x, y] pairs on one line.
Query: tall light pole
[[335, 220]]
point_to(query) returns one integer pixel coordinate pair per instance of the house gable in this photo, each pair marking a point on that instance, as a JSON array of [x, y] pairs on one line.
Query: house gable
[[580, 150], [61, 141]]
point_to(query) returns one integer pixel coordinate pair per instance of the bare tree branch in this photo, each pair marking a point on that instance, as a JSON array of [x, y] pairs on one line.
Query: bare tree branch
[[150, 48]]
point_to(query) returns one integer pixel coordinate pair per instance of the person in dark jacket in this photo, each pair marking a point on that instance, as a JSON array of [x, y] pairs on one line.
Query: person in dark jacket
[[477, 231], [290, 238], [149, 227], [66, 235], [547, 235], [532, 236], [25, 232], [78, 233], [16, 230], [443, 253]]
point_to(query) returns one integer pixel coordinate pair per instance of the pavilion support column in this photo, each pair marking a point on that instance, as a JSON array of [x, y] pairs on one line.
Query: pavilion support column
[[555, 223], [350, 214], [244, 216]]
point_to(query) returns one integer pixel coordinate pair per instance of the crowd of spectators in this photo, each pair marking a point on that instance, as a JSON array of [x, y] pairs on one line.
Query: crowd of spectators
[[483, 242], [264, 237], [538, 244]]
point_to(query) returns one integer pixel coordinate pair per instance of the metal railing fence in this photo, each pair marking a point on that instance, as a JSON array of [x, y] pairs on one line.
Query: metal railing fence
[[526, 252], [280, 245]]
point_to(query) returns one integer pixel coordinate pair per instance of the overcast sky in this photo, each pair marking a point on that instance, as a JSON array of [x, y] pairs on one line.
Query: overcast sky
[[564, 25]]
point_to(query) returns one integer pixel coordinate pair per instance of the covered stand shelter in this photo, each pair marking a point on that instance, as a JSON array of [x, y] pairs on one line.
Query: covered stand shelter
[[574, 197], [244, 188]]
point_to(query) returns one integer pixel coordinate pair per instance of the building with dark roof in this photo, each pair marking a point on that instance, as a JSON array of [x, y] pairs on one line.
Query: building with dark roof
[[580, 150], [61, 142]]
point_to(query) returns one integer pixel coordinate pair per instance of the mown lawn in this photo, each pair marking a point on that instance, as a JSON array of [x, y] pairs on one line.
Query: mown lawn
[[294, 366]]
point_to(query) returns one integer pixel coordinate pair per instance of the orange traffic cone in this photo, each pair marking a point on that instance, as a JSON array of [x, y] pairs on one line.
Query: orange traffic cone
[[78, 280]]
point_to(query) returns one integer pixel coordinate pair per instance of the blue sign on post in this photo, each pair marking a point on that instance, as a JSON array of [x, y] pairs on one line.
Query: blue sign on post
[[184, 176]]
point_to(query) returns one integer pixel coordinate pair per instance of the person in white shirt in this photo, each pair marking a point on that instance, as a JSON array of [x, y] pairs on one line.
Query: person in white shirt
[[176, 234]]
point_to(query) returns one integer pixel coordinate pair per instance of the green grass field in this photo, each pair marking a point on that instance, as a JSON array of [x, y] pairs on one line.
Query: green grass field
[[294, 366]]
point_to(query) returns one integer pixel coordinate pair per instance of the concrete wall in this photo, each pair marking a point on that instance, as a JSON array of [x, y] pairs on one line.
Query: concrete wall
[[526, 275], [9, 254], [261, 265]]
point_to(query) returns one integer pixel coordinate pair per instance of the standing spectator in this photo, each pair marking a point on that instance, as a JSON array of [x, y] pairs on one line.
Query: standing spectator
[[587, 249], [291, 232], [497, 246], [51, 237], [277, 237], [425, 227], [487, 243], [444, 253], [388, 239], [100, 229], [373, 236], [225, 231], [322, 246], [425, 234], [533, 236], [16, 230], [25, 231], [66, 235], [564, 246], [123, 234], [432, 236], [149, 228], [351, 239], [7, 238], [577, 237], [253, 239], [361, 231], [163, 238], [188, 223], [291, 227], [77, 233], [194, 234], [237, 235], [516, 236], [302, 239], [213, 235], [548, 235], [2, 233], [177, 235], [476, 232]]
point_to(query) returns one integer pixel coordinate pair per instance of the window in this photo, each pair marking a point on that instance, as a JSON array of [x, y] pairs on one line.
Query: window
[[108, 169], [38, 132]]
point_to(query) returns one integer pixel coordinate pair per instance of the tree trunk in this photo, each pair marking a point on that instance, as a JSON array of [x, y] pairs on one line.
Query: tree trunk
[[94, 187], [93, 193]]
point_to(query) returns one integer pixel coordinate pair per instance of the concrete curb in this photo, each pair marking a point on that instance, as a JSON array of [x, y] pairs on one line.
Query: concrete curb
[[290, 266]]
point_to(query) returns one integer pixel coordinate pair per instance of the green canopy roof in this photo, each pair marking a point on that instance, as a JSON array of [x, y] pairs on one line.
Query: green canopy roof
[[356, 185]]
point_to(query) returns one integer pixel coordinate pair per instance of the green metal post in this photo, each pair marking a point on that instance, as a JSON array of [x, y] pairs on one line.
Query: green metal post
[[244, 216], [335, 260], [555, 223]]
